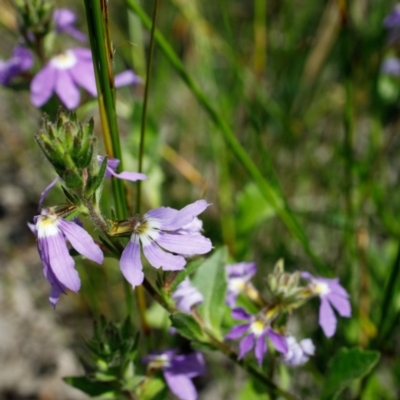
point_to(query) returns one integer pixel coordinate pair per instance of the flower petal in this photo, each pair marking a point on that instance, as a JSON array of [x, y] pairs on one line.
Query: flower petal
[[278, 341], [158, 258], [126, 175], [341, 304], [83, 75], [191, 365], [260, 349], [130, 263], [126, 78], [162, 213], [66, 89], [184, 216], [237, 331], [245, 345], [181, 386], [81, 241], [240, 313], [327, 318], [57, 288], [46, 191], [184, 244], [55, 254], [43, 85]]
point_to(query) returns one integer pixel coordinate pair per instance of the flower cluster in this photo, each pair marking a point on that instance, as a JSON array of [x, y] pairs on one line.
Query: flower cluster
[[65, 73], [285, 294]]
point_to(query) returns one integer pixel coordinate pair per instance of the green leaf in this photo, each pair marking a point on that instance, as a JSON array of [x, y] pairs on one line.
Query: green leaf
[[253, 390], [346, 366], [211, 282], [187, 326], [92, 388], [253, 208], [154, 389]]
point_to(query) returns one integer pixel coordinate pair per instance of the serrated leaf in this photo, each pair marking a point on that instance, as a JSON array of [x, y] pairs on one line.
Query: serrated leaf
[[187, 326], [86, 385], [346, 366], [211, 282]]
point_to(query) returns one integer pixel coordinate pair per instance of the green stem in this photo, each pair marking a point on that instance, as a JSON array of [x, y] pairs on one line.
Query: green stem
[[145, 101], [97, 17], [268, 191]]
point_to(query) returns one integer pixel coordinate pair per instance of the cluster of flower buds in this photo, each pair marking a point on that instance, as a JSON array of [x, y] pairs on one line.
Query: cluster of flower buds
[[63, 72]]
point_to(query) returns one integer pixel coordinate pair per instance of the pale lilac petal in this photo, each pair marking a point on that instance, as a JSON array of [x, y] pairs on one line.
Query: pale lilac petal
[[83, 75], [63, 17], [82, 53], [184, 244], [46, 191], [66, 89], [336, 287], [260, 349], [327, 318], [184, 216], [158, 258], [130, 263], [181, 386], [127, 176], [57, 288], [191, 365], [307, 346], [240, 313], [126, 78], [391, 66], [278, 341], [43, 85], [237, 331], [341, 304], [186, 296], [245, 345], [243, 269], [81, 241], [162, 213], [55, 254]]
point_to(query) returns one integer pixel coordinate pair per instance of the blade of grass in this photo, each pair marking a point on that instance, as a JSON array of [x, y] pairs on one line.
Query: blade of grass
[[268, 191]]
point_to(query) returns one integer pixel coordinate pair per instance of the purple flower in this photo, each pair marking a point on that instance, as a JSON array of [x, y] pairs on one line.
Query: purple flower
[[255, 331], [392, 23], [186, 296], [178, 371], [157, 230], [52, 233], [298, 352], [391, 66], [332, 295], [112, 164], [65, 73], [20, 61], [64, 20], [238, 277]]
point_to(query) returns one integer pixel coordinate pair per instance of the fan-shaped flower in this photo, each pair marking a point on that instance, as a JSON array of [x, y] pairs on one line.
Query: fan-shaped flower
[[157, 230], [178, 370], [255, 332], [65, 73], [186, 296], [298, 352], [332, 295], [21, 61], [52, 232], [238, 277]]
